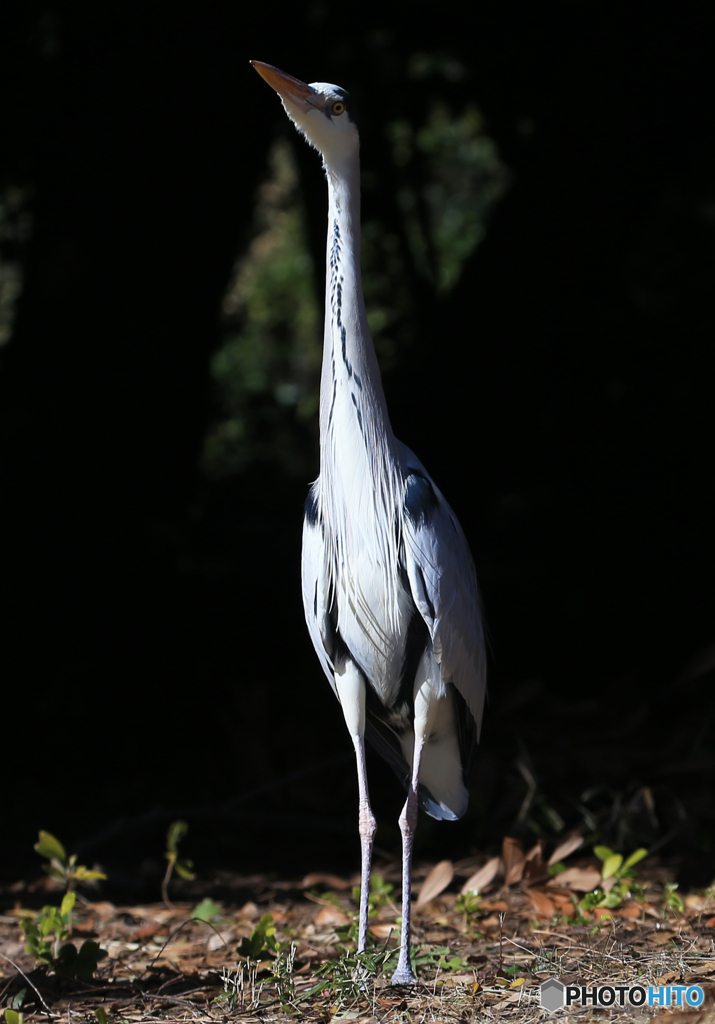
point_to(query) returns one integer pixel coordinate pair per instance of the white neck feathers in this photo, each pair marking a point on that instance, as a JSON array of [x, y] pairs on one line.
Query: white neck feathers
[[360, 483]]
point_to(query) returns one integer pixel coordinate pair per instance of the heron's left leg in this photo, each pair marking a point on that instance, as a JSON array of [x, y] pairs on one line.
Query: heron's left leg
[[350, 686], [425, 708]]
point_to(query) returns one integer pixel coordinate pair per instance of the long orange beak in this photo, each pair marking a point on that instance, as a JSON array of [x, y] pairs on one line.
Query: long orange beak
[[287, 87]]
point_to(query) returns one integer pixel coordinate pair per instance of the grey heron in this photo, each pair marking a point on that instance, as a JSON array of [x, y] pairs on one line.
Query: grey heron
[[389, 586]]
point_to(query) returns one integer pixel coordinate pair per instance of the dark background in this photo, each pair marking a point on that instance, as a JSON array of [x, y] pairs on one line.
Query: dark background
[[154, 658]]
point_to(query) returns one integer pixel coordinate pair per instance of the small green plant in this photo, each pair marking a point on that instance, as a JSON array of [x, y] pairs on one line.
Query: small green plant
[[60, 865], [621, 871], [181, 865], [349, 976], [439, 957], [380, 894], [44, 937], [614, 866], [207, 911], [17, 1000], [262, 941], [79, 963], [469, 905], [671, 900], [51, 927], [349, 933]]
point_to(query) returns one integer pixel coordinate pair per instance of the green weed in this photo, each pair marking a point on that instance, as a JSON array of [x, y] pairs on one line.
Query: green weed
[[49, 928], [380, 894], [262, 941], [439, 957], [181, 865], [60, 865], [45, 940], [207, 911], [671, 900], [349, 976], [623, 885], [469, 905]]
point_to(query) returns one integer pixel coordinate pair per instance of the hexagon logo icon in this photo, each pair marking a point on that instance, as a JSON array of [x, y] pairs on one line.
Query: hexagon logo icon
[[552, 995]]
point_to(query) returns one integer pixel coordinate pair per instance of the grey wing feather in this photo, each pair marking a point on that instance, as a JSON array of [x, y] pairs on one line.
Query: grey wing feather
[[317, 594], [444, 587]]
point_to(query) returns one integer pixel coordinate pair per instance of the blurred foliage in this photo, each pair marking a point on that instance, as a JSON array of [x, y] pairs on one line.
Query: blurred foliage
[[45, 940], [462, 178], [448, 177], [61, 866], [268, 367], [15, 226], [181, 865]]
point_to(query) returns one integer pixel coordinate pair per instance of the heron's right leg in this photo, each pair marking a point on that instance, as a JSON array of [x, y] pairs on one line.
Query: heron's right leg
[[425, 710], [351, 692]]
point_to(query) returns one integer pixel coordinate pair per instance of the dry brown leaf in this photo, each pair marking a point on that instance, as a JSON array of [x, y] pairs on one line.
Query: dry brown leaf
[[146, 931], [603, 912], [632, 911], [512, 853], [566, 847], [500, 905], [697, 901], [535, 866], [661, 938], [490, 922], [578, 879], [564, 903], [666, 978], [326, 879], [541, 903], [382, 931], [85, 926], [249, 910], [483, 877], [535, 853], [707, 967], [106, 911], [331, 917], [436, 882]]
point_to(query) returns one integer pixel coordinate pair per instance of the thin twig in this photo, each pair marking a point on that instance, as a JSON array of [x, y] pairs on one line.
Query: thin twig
[[29, 982]]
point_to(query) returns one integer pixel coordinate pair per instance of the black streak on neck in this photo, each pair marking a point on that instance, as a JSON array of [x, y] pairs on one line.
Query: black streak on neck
[[336, 302]]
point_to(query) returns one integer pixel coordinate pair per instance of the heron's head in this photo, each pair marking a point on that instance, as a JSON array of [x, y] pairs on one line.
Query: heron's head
[[324, 113]]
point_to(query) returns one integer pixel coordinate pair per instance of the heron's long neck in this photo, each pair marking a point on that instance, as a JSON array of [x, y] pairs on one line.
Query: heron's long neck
[[360, 486], [355, 431]]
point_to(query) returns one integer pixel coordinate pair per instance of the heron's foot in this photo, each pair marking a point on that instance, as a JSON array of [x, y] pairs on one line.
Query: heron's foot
[[404, 975]]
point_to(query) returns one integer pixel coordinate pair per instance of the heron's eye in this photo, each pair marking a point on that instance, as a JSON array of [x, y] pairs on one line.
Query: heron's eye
[[337, 108]]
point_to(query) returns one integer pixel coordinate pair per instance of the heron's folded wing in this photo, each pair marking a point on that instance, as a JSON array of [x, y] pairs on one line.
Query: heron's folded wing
[[316, 592], [444, 588]]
